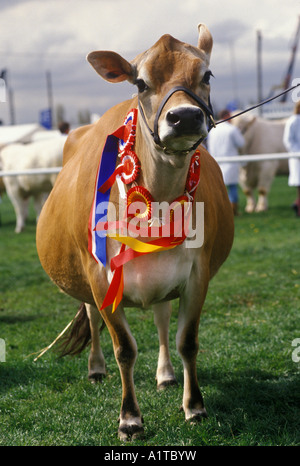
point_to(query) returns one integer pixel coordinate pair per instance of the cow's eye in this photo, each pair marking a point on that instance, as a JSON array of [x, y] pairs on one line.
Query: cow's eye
[[141, 85], [206, 77]]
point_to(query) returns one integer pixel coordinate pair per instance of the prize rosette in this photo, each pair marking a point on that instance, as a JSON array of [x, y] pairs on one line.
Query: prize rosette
[[194, 173], [128, 171], [130, 167], [129, 131], [140, 201], [177, 208]]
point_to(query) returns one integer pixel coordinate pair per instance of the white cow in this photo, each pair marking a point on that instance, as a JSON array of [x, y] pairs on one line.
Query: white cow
[[41, 154], [261, 137]]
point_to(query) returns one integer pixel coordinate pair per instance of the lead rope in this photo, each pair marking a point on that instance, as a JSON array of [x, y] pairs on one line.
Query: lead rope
[[258, 105]]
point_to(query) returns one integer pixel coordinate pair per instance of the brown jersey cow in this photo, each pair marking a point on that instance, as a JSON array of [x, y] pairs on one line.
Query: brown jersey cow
[[173, 112]]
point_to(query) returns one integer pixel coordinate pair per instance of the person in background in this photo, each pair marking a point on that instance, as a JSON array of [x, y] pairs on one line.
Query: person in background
[[225, 141], [64, 127], [291, 140]]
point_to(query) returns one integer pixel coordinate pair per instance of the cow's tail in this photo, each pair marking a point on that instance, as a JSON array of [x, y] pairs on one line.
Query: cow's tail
[[78, 336]]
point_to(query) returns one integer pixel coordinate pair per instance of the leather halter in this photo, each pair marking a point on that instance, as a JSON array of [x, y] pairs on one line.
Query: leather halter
[[207, 109]]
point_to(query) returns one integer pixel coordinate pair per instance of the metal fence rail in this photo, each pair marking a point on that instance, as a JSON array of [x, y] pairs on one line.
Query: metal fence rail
[[258, 157], [31, 171], [243, 159]]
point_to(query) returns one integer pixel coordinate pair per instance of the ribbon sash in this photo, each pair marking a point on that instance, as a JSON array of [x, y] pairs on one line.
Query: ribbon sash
[[106, 169], [123, 139]]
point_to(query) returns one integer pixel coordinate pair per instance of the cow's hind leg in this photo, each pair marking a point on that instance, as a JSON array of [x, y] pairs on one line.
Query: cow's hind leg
[[250, 201], [187, 346], [21, 208], [165, 373], [96, 364], [262, 202], [84, 330], [39, 200], [19, 203]]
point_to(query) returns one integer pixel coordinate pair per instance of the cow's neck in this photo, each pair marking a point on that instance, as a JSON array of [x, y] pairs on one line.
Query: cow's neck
[[163, 175]]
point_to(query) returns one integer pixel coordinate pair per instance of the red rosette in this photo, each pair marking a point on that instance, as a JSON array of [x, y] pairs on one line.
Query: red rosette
[[177, 204], [194, 173], [129, 131], [131, 167], [142, 200]]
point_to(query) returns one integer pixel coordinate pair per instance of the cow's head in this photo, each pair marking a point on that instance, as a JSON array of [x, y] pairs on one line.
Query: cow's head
[[173, 88]]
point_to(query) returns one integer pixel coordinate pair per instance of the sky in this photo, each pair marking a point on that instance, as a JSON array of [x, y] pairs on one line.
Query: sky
[[52, 38]]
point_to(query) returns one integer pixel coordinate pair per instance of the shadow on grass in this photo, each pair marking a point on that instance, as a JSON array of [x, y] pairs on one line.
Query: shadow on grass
[[256, 400], [15, 319], [253, 402], [14, 375]]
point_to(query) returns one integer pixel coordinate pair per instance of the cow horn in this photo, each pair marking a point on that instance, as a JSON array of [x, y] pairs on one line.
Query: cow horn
[[205, 40]]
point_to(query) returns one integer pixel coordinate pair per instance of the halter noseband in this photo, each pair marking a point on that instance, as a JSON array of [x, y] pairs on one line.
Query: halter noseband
[[207, 109]]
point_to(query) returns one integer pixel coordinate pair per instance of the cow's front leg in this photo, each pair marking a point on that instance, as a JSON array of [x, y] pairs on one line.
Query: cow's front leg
[[187, 346], [165, 373], [125, 349]]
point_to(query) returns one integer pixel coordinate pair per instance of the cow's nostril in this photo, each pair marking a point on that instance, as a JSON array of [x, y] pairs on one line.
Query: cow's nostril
[[173, 118]]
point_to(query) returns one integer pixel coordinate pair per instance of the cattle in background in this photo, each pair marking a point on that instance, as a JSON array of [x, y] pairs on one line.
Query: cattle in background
[[2, 186], [19, 133], [42, 154], [2, 191], [261, 137], [173, 111]]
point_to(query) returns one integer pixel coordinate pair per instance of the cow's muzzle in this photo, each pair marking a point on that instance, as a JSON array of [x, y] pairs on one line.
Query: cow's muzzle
[[181, 118], [185, 119]]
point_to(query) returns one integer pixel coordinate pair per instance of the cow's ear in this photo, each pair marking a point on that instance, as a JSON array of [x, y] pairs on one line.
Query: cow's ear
[[111, 66], [205, 40]]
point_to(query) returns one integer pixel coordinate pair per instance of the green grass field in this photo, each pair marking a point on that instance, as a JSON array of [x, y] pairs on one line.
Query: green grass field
[[247, 373]]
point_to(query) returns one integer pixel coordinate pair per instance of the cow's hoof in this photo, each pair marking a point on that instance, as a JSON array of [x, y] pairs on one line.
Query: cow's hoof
[[97, 377], [260, 209], [197, 417], [130, 432], [296, 209], [166, 383]]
